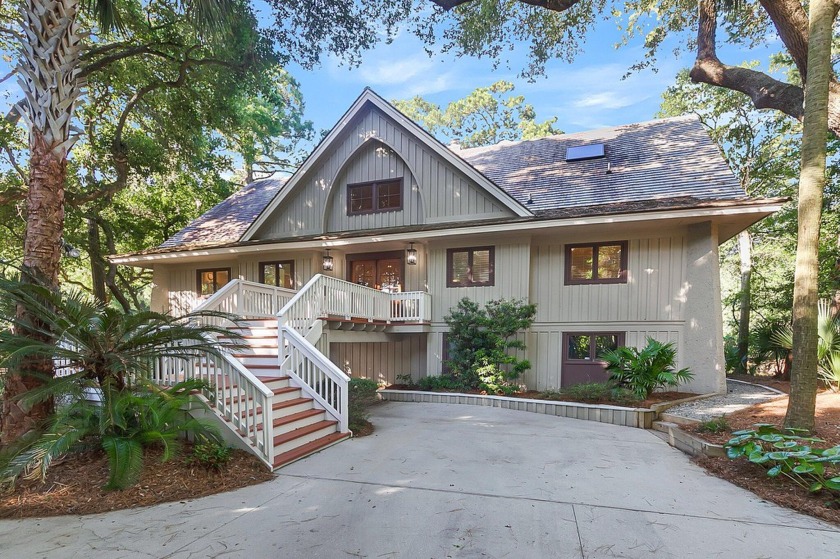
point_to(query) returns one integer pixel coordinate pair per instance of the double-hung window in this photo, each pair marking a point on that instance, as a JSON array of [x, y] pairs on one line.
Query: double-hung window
[[211, 280], [373, 197], [470, 267], [596, 263]]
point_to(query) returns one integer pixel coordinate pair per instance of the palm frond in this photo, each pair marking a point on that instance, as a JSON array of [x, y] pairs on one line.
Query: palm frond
[[125, 460]]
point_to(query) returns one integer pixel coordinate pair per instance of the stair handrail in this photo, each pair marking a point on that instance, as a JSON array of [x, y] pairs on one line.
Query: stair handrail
[[236, 394], [317, 376], [232, 298]]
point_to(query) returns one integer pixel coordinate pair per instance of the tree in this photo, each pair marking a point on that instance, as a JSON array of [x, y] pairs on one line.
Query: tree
[[484, 117], [55, 58], [803, 386], [761, 149]]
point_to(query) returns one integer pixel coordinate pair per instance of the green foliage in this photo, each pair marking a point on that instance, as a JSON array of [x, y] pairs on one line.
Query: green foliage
[[110, 352], [593, 392], [126, 421], [405, 379], [481, 341], [791, 454], [361, 396], [482, 118], [647, 369], [210, 454], [828, 343], [714, 425], [441, 383]]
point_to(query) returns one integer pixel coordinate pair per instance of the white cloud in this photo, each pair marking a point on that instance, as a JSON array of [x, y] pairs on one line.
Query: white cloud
[[606, 100], [397, 71]]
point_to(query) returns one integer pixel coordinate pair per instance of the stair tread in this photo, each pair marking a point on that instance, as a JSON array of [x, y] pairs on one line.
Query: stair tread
[[285, 390], [272, 379], [308, 448], [291, 418], [303, 431], [290, 403]]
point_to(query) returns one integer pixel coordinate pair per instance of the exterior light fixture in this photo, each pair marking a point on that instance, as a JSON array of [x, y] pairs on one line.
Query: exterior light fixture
[[327, 262], [69, 249], [411, 255]]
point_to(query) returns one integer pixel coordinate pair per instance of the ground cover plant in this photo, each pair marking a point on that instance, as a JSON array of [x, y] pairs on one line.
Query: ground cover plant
[[793, 454]]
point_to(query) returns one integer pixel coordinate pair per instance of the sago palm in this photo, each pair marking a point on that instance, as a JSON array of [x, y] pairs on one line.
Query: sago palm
[[108, 350]]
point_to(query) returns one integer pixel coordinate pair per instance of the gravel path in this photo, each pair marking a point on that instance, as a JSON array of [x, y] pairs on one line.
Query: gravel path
[[738, 395]]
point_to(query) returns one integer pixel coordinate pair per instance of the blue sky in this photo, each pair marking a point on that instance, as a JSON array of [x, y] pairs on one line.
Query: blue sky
[[589, 93]]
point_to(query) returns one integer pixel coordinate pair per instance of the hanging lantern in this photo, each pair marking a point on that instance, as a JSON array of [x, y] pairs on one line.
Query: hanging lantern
[[411, 255], [327, 262]]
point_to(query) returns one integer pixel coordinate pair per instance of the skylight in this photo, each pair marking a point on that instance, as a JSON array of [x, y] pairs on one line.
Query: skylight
[[579, 153]]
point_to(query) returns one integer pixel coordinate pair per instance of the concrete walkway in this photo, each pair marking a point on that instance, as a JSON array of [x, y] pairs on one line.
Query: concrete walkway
[[440, 481]]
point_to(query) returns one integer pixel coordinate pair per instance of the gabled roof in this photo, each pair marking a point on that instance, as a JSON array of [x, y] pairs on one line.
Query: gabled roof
[[368, 97], [666, 158], [228, 220]]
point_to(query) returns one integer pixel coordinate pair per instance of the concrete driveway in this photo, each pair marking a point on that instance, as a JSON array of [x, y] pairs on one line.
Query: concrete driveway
[[441, 480]]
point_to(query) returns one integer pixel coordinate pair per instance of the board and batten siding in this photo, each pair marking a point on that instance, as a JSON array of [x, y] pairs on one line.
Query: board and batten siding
[[655, 288], [183, 281], [446, 193], [545, 346], [512, 266], [382, 361]]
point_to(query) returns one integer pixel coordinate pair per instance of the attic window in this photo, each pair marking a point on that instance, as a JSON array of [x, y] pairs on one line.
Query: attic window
[[580, 153]]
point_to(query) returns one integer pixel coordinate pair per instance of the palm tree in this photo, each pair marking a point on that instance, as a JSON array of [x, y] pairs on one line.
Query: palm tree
[[112, 352], [49, 66]]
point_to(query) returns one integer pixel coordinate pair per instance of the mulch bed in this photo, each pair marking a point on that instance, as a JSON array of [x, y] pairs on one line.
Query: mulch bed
[[74, 485], [655, 398], [779, 490], [364, 429]]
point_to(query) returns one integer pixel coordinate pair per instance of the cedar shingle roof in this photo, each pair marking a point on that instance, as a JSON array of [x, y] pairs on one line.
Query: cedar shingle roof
[[228, 220], [671, 158], [665, 158]]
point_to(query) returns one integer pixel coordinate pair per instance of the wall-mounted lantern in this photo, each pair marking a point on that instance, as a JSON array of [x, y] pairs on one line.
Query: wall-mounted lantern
[[411, 255]]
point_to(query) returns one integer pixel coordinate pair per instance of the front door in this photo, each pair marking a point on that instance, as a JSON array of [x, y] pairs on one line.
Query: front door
[[379, 271]]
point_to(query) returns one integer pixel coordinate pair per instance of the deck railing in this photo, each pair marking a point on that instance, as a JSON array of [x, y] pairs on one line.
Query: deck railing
[[322, 297], [247, 298]]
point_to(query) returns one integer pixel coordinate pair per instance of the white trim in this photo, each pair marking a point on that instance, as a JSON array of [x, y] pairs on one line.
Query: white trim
[[696, 214], [368, 96]]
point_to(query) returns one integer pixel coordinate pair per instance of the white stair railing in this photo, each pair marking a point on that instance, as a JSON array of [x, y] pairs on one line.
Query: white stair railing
[[325, 296], [235, 394], [247, 298]]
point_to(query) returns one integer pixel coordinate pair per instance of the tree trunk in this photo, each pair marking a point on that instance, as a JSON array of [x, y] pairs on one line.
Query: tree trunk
[[42, 252], [803, 381], [97, 266], [744, 250], [49, 69]]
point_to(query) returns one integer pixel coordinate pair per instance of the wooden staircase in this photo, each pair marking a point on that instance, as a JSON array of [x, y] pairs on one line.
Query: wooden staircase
[[300, 426]]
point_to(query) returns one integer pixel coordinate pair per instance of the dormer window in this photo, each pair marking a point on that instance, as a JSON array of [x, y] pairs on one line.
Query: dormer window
[[373, 197]]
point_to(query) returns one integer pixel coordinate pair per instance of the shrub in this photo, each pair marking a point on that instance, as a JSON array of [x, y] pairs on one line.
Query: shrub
[[442, 382], [791, 454], [600, 391], [126, 421], [644, 370], [361, 396], [211, 455], [405, 380], [714, 425], [480, 341]]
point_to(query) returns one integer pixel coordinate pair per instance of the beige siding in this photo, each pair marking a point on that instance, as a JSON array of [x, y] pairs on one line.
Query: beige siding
[[374, 161], [183, 281], [512, 264], [304, 265], [446, 194], [382, 361], [545, 346], [654, 288]]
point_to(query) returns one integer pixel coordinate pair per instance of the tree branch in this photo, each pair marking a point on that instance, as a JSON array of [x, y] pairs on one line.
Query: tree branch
[[553, 5], [791, 23], [765, 91]]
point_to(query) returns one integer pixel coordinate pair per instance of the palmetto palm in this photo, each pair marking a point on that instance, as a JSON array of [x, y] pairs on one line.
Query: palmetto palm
[[49, 66], [108, 350]]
